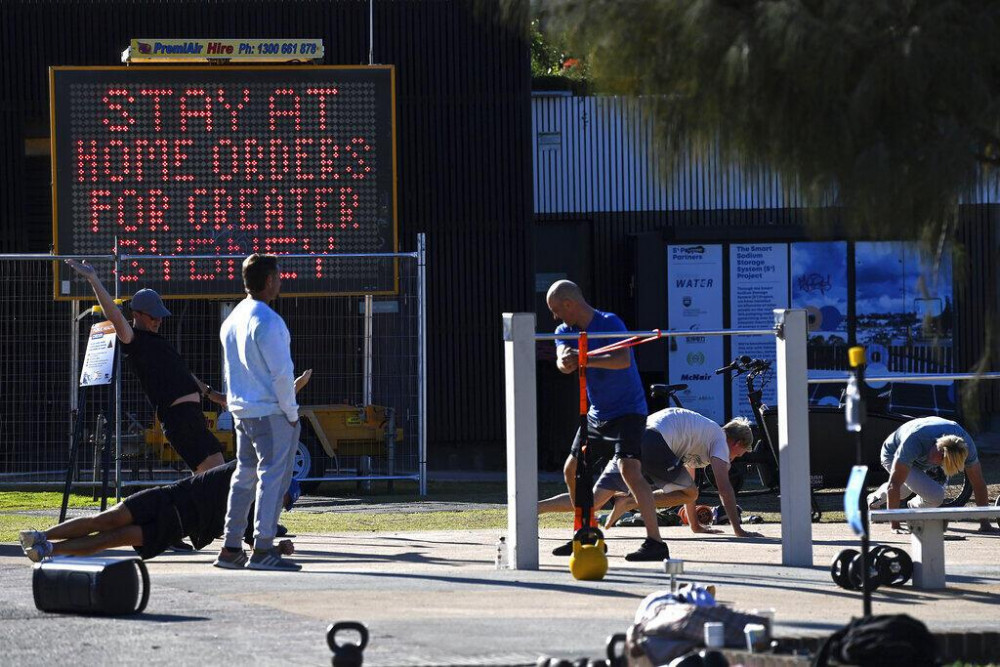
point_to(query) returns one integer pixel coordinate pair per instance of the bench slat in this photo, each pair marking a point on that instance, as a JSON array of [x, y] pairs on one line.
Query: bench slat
[[934, 514]]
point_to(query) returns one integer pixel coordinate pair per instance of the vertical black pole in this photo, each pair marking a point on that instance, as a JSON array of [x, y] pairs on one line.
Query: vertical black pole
[[106, 450], [74, 449], [856, 355], [109, 429]]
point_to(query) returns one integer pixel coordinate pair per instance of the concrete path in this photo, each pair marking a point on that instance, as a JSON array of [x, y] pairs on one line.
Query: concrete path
[[434, 598]]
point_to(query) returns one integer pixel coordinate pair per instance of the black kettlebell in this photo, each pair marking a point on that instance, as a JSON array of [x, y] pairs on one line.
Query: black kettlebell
[[346, 654]]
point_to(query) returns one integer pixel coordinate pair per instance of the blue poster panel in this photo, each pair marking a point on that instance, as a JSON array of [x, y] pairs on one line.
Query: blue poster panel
[[695, 302], [758, 283], [905, 315], [819, 285]]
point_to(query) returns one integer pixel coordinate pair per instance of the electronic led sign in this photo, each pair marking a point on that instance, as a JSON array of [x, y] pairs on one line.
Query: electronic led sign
[[226, 161]]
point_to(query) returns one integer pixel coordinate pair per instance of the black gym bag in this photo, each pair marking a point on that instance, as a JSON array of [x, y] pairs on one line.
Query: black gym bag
[[105, 586], [890, 639]]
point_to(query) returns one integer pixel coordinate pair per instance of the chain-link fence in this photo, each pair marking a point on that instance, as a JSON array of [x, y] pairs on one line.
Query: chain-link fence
[[361, 412]]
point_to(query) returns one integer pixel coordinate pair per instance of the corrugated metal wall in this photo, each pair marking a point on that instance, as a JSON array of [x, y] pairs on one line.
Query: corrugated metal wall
[[463, 134], [596, 154]]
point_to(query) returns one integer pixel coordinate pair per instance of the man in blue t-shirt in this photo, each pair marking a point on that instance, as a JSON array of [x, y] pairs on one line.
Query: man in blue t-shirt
[[617, 416], [918, 446]]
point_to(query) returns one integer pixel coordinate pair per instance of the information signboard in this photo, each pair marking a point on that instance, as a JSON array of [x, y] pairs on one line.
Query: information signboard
[[758, 283], [99, 359], [226, 161], [694, 274]]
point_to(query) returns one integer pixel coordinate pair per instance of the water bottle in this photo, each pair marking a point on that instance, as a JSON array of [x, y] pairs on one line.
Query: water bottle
[[852, 411], [501, 557]]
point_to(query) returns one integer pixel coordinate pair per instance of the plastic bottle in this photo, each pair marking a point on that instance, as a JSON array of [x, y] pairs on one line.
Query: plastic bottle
[[501, 557], [852, 412]]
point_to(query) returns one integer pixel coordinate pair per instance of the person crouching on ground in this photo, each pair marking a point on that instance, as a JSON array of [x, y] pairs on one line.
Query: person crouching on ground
[[917, 447], [676, 442]]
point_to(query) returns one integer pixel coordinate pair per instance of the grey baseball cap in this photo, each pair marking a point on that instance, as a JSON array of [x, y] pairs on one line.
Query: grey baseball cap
[[149, 302]]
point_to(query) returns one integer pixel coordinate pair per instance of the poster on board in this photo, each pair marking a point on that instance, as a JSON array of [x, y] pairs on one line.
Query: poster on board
[[99, 360], [819, 285], [695, 302], [758, 283], [905, 314]]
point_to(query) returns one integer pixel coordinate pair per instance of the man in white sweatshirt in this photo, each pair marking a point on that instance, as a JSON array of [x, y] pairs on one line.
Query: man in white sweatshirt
[[261, 395]]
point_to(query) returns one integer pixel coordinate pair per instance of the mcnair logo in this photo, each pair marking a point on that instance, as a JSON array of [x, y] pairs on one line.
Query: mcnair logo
[[695, 377], [696, 358]]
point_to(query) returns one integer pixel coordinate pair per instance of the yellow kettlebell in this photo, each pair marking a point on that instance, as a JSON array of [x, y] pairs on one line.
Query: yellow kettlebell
[[588, 562]]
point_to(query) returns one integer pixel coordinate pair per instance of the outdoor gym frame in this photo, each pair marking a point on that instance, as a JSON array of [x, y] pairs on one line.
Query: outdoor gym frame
[[793, 431], [793, 427]]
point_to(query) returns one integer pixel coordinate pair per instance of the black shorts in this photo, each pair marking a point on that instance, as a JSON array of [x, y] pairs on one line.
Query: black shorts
[[185, 427], [154, 512], [621, 437]]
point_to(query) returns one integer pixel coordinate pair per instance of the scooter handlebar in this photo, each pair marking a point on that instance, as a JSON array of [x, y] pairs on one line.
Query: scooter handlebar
[[739, 364]]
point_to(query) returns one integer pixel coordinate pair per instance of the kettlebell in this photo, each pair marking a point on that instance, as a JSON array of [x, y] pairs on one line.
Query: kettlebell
[[588, 562], [347, 654]]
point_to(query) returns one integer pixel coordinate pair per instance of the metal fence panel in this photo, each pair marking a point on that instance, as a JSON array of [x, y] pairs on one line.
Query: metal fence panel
[[361, 411]]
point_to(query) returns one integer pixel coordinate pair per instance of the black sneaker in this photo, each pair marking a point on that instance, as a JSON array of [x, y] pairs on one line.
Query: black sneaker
[[180, 546], [567, 549], [281, 531], [650, 550]]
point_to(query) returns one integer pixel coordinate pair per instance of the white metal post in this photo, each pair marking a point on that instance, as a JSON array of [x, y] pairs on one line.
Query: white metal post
[[793, 438], [522, 440]]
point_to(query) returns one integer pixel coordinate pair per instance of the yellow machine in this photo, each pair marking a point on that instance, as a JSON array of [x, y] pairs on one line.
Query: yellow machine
[[349, 430], [158, 442], [342, 430]]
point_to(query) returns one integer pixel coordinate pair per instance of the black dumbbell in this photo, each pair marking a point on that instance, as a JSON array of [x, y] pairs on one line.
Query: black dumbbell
[[838, 568], [855, 574], [894, 566]]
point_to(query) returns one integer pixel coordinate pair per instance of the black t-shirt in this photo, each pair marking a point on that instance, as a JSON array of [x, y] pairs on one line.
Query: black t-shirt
[[162, 373], [201, 503]]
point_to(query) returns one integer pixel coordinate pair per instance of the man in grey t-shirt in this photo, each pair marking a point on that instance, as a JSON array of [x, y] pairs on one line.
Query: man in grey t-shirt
[[917, 447], [676, 442]]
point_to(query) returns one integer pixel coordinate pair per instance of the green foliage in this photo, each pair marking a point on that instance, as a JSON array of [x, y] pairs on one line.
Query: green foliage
[[888, 108], [552, 66]]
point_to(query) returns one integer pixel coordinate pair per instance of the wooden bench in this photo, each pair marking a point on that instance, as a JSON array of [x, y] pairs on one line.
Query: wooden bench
[[927, 536]]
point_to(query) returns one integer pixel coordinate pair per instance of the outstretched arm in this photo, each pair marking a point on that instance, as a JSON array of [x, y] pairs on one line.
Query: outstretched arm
[[720, 469], [122, 328], [897, 477], [975, 475]]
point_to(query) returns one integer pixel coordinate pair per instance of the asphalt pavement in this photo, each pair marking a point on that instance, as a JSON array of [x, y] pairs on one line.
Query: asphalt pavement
[[435, 598]]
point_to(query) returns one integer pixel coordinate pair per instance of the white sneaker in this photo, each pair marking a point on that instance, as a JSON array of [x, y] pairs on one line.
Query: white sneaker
[[34, 545], [235, 560], [271, 560], [875, 500]]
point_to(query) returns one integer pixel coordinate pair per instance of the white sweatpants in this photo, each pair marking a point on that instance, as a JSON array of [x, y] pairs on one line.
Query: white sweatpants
[[928, 492], [265, 453]]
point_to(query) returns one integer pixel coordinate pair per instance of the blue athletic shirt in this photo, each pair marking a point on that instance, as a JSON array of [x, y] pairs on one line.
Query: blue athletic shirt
[[611, 393], [913, 442]]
